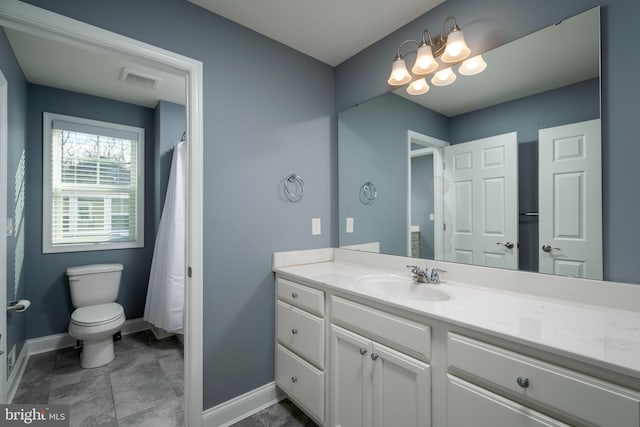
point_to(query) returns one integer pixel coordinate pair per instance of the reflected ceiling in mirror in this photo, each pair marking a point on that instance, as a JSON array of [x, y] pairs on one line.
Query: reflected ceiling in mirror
[[556, 56], [400, 143]]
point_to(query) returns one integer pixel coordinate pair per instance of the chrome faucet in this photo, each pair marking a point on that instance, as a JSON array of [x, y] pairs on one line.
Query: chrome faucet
[[422, 276], [419, 275]]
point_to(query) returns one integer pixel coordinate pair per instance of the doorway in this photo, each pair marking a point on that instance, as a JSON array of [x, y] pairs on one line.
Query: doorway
[[35, 21]]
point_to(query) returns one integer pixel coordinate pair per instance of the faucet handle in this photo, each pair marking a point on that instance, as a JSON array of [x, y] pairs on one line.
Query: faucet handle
[[435, 274], [414, 268]]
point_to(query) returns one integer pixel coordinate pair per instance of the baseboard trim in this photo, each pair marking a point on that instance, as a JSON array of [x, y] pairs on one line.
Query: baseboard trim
[[17, 372], [241, 407], [60, 341]]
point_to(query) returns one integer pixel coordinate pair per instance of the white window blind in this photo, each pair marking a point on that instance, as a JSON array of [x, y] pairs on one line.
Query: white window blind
[[93, 185]]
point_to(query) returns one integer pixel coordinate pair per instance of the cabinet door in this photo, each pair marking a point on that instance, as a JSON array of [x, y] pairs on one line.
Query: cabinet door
[[350, 379], [401, 389], [469, 405]]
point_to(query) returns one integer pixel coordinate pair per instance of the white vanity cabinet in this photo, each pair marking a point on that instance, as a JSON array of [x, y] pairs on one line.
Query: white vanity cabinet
[[374, 385], [371, 383], [300, 345], [578, 398]]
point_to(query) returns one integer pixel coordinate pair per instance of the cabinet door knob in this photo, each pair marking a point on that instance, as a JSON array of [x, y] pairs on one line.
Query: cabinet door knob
[[294, 379], [294, 331], [294, 295], [523, 382], [363, 351], [374, 356]]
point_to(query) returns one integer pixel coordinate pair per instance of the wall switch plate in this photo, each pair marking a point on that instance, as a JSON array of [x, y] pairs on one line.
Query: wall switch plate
[[10, 228], [431, 217], [315, 227], [349, 225]]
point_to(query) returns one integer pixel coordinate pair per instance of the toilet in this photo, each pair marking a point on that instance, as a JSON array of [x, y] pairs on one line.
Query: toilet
[[94, 289]]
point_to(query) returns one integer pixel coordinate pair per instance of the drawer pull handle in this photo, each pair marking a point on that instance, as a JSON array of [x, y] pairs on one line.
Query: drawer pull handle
[[294, 379], [374, 356], [523, 382], [294, 295], [294, 331], [363, 351]]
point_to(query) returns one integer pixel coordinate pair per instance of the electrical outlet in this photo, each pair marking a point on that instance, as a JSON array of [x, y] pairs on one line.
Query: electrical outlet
[[10, 227], [431, 217]]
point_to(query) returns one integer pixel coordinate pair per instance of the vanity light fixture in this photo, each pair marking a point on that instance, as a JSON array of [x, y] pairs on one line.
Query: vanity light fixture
[[449, 46]]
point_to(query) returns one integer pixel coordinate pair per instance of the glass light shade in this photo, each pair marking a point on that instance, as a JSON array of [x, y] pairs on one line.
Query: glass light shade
[[399, 73], [418, 87], [444, 77], [456, 49], [471, 66], [425, 62]]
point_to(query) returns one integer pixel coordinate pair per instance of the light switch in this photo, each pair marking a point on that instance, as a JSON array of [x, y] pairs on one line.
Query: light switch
[[431, 217], [315, 227], [349, 225]]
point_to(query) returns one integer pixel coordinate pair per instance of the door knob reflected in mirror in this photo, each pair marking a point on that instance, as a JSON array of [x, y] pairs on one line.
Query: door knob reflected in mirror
[[548, 248], [507, 245]]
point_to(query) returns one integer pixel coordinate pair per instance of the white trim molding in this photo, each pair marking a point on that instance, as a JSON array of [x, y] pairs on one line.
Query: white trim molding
[[25, 17], [243, 406], [4, 142], [17, 372]]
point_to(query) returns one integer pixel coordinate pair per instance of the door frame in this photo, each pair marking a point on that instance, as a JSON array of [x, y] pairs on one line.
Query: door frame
[[34, 20], [4, 132], [432, 146]]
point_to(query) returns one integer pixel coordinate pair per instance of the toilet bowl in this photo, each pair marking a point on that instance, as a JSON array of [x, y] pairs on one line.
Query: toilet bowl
[[95, 326], [97, 317]]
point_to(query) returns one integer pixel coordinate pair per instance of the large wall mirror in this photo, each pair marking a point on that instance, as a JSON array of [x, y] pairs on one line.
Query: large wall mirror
[[499, 169]]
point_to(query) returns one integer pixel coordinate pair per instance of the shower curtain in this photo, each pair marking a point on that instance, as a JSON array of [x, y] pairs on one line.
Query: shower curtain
[[165, 294]]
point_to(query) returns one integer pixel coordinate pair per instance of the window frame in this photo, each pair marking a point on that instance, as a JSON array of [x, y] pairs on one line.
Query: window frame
[[47, 187]]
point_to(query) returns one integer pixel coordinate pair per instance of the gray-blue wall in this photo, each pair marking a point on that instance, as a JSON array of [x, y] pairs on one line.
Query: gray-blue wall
[[491, 23], [422, 202], [17, 116], [170, 123], [269, 111], [373, 147], [48, 287]]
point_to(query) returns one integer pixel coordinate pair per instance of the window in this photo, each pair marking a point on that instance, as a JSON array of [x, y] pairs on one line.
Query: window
[[93, 185]]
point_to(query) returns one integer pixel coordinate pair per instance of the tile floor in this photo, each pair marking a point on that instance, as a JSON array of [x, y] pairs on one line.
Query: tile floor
[[143, 386], [282, 414]]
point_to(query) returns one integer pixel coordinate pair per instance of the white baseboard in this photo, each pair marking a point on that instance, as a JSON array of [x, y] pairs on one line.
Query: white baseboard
[[60, 341], [243, 406], [17, 372]]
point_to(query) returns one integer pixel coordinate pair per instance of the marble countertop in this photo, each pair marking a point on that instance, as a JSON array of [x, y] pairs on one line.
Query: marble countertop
[[597, 335]]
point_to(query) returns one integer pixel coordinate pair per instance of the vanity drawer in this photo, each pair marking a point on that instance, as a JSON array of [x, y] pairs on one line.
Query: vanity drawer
[[470, 405], [572, 394], [301, 296], [405, 335], [301, 332], [301, 381]]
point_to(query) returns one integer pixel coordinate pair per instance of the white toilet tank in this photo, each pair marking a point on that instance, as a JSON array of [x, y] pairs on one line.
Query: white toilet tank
[[94, 284]]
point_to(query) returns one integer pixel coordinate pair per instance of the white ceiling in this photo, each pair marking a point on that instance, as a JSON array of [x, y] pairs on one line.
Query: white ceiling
[[556, 56], [71, 67], [328, 30]]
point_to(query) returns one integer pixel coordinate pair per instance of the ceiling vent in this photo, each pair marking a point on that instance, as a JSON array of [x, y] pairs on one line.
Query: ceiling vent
[[137, 78]]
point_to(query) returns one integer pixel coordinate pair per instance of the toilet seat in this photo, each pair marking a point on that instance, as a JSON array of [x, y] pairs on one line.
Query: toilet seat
[[96, 315]]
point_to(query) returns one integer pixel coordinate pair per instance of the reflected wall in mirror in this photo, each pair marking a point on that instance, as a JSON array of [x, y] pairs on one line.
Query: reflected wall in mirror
[[502, 169]]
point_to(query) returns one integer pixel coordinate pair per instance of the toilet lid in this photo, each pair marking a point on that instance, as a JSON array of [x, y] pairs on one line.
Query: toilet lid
[[97, 314]]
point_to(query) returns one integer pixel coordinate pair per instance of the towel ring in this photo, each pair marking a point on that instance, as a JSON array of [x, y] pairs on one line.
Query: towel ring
[[368, 193], [293, 187]]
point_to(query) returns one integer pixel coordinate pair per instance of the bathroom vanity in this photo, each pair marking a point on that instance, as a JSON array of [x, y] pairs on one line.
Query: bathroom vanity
[[359, 343]]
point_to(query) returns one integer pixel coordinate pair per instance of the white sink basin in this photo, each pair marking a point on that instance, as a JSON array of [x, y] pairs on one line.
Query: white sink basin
[[395, 286]]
